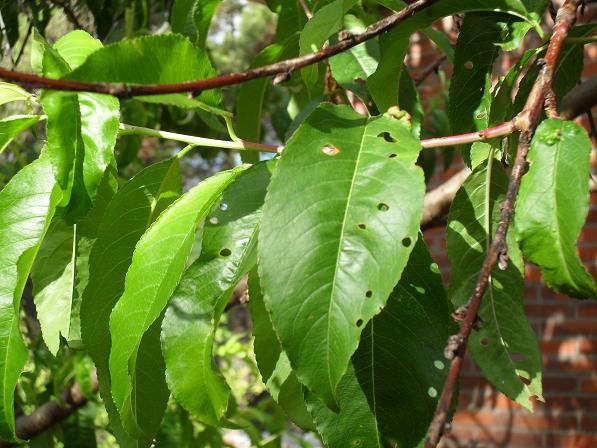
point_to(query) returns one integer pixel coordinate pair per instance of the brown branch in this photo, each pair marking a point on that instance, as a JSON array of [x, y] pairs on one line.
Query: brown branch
[[287, 66], [580, 99], [527, 121], [52, 412]]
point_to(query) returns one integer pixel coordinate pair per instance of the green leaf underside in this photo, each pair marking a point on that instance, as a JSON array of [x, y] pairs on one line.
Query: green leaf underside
[[395, 43], [552, 206], [27, 204], [274, 366], [53, 283], [156, 268], [150, 60], [399, 369], [12, 126], [506, 347], [188, 329], [151, 191], [331, 255], [81, 127]]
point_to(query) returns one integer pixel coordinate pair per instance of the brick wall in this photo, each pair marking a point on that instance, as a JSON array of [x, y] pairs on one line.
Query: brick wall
[[566, 329]]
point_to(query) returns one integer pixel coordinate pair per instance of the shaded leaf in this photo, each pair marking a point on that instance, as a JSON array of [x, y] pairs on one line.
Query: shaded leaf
[[156, 268], [193, 18], [12, 126], [341, 238], [152, 190], [27, 205], [552, 206], [505, 348], [188, 330]]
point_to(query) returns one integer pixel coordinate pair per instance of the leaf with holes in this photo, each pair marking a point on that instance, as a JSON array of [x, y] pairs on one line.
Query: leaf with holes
[[394, 44], [552, 206], [331, 255], [156, 268], [27, 204], [152, 190], [399, 369], [505, 347], [188, 330]]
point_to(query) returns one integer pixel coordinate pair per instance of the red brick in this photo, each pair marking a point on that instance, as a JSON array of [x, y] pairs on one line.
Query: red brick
[[587, 310], [553, 385], [546, 310], [587, 346], [576, 327], [565, 348], [588, 423], [589, 385], [578, 365], [572, 440], [570, 403]]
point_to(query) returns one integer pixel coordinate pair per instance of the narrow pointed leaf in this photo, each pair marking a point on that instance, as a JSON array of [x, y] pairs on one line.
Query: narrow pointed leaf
[[189, 326], [27, 205], [156, 268], [399, 367], [505, 348], [331, 255], [12, 126], [151, 191], [273, 364], [150, 60], [553, 205]]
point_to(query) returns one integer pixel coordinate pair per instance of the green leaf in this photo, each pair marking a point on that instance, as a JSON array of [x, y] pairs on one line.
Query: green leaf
[[192, 18], [399, 366], [156, 268], [81, 127], [150, 60], [189, 326], [410, 102], [274, 366], [552, 206], [79, 427], [27, 205], [505, 348], [325, 23], [442, 41], [53, 282], [12, 126], [470, 86], [151, 191], [344, 166], [395, 43], [11, 92]]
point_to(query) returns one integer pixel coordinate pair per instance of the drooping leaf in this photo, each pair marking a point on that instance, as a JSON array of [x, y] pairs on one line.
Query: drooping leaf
[[11, 92], [505, 348], [150, 60], [81, 127], [12, 126], [395, 43], [27, 205], [399, 367], [552, 206], [152, 190], [342, 237], [192, 18], [227, 252], [157, 265], [274, 366], [53, 282], [324, 23], [470, 85]]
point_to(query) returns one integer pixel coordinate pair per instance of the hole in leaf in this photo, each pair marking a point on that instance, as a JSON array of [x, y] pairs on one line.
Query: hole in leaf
[[362, 226], [359, 322], [223, 206], [406, 242], [330, 150], [526, 381], [439, 365], [214, 220], [387, 137], [369, 294], [383, 207], [468, 65], [432, 392], [225, 252], [484, 342], [356, 443], [391, 156]]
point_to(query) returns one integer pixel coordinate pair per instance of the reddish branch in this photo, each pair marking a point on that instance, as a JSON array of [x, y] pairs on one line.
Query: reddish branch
[[285, 67], [52, 412], [527, 122]]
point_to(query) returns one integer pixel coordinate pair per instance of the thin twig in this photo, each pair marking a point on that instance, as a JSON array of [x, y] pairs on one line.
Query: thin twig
[[22, 49], [287, 66], [68, 11], [431, 69], [527, 121], [305, 7]]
